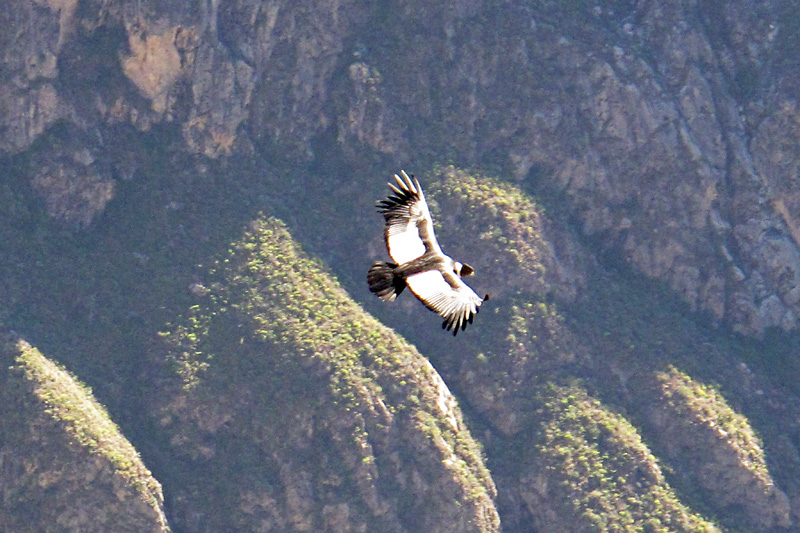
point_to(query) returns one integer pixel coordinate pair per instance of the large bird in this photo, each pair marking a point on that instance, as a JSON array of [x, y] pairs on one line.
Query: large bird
[[418, 261]]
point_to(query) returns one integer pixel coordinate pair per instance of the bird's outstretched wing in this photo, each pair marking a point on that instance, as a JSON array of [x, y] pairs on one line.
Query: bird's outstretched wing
[[446, 294], [409, 227]]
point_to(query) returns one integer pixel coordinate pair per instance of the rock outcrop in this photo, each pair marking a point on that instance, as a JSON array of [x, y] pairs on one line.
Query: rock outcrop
[[635, 155], [667, 132]]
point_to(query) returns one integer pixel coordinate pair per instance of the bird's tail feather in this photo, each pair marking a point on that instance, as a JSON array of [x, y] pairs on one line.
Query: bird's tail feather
[[383, 281]]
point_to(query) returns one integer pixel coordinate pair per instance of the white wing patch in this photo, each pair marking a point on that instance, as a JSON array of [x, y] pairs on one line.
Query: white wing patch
[[403, 242], [456, 305], [409, 228], [429, 286]]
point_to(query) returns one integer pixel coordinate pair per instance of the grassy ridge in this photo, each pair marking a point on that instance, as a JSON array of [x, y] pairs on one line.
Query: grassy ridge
[[615, 338], [275, 339], [594, 468], [268, 369], [48, 411]]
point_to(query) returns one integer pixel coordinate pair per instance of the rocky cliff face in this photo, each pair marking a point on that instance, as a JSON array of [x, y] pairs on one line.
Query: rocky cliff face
[[632, 144], [653, 121], [669, 129]]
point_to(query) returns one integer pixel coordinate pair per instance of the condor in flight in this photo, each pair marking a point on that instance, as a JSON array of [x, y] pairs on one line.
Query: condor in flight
[[419, 263]]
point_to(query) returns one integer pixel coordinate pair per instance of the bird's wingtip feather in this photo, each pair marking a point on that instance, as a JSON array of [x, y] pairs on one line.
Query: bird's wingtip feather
[[408, 183]]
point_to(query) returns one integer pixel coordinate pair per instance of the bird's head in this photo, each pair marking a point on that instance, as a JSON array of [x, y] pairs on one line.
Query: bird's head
[[463, 270]]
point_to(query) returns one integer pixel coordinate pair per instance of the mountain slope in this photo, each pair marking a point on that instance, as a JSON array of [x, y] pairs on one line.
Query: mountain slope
[[621, 175], [331, 420], [66, 466]]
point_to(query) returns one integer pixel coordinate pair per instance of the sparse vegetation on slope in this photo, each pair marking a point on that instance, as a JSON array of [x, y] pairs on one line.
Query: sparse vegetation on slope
[[66, 437], [592, 471], [611, 336], [277, 356], [718, 447], [663, 134], [503, 224]]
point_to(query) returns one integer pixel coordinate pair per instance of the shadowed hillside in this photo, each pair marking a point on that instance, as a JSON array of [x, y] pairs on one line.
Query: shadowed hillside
[[65, 464], [187, 196], [332, 420]]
